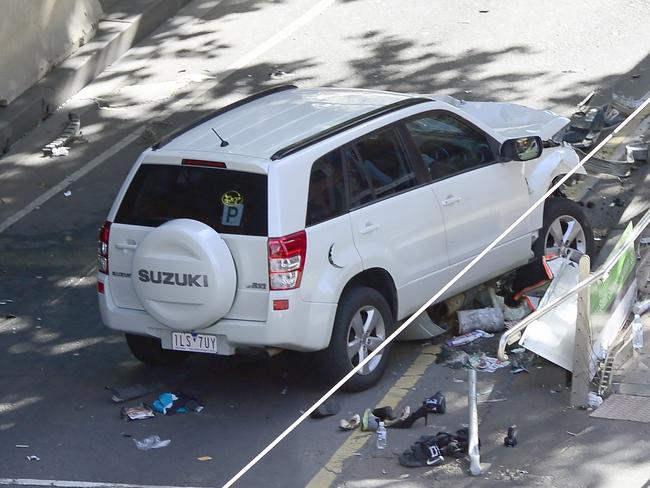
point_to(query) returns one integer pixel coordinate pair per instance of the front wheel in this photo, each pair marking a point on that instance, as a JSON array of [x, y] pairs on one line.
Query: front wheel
[[565, 227], [363, 321]]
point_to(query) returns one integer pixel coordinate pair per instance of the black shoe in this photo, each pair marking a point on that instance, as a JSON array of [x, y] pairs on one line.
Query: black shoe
[[436, 403], [384, 413], [408, 421]]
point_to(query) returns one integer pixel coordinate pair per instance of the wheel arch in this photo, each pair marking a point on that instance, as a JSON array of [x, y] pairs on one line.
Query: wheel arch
[[380, 280]]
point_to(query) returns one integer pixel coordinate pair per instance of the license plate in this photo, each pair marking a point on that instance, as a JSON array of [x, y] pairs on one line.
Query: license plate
[[187, 341]]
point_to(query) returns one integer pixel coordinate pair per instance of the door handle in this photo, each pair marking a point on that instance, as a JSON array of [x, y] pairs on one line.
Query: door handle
[[130, 244], [369, 228], [450, 200]]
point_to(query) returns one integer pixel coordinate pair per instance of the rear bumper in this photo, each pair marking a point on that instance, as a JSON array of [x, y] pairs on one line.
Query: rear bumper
[[305, 326]]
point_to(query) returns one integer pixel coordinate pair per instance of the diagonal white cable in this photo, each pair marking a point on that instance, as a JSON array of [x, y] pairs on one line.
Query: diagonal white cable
[[469, 266]]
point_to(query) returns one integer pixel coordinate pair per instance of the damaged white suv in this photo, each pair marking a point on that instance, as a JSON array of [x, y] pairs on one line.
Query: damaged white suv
[[316, 219]]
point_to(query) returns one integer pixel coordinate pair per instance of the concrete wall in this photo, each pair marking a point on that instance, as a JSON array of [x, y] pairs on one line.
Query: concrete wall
[[36, 35]]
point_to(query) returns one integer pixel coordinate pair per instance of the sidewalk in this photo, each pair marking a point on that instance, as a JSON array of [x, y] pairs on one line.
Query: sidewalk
[[124, 23]]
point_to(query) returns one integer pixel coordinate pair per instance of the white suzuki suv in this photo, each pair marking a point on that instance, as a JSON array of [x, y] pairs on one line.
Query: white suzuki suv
[[316, 219]]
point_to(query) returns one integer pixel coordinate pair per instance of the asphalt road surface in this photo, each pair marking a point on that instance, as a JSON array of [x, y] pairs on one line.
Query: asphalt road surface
[[56, 356]]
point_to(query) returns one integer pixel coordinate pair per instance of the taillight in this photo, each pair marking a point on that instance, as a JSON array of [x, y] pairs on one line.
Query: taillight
[[287, 260], [102, 247]]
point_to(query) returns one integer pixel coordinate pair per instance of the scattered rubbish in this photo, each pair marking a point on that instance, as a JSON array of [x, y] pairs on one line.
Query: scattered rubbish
[[518, 350], [369, 422], [487, 319], [151, 442], [278, 73], [22, 446], [644, 240], [136, 413], [120, 395], [458, 380], [33, 458], [467, 338], [67, 193], [169, 403], [404, 476], [637, 152], [382, 436], [6, 301], [483, 11], [284, 391], [204, 458], [510, 440], [571, 433], [325, 409], [486, 364], [518, 369], [637, 332], [71, 132], [452, 358], [428, 450], [493, 400], [351, 423], [641, 307], [594, 401], [60, 151]]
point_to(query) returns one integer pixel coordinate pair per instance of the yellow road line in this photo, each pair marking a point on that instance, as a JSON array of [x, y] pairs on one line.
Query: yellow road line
[[334, 467]]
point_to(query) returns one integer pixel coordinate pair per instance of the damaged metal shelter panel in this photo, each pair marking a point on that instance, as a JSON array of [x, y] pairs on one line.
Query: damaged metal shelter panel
[[553, 335]]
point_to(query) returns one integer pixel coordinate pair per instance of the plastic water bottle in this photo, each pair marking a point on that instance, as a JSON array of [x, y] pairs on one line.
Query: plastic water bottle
[[382, 436], [637, 332]]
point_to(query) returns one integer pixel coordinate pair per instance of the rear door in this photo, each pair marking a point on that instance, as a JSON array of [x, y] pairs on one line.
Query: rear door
[[234, 203], [480, 197], [396, 221]]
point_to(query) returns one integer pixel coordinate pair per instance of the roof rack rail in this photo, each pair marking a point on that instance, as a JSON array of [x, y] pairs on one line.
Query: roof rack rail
[[348, 124], [181, 130]]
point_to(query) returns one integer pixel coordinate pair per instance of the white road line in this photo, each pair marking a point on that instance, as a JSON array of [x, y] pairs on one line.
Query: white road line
[[78, 484], [272, 41]]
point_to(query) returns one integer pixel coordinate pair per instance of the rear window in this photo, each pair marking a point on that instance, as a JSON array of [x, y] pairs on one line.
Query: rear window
[[231, 202]]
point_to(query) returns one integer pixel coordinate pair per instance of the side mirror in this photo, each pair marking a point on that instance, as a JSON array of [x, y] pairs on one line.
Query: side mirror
[[522, 149]]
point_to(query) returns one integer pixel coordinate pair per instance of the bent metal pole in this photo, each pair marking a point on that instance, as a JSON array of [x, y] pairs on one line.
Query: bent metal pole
[[473, 449]]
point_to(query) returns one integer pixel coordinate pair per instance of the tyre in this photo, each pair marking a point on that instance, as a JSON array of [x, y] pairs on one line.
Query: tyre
[[363, 321], [565, 227], [148, 350]]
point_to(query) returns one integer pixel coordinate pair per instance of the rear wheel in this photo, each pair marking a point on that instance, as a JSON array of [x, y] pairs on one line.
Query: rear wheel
[[363, 321], [148, 350], [565, 227]]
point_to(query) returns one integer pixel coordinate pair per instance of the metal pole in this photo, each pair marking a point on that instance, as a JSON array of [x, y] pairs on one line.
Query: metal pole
[[582, 347], [473, 449]]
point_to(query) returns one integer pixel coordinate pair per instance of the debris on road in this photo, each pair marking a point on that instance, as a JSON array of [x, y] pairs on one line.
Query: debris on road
[[325, 409], [486, 319], [486, 364], [204, 458], [151, 442], [22, 446], [351, 423], [33, 458], [510, 440], [467, 338], [136, 413], [60, 146], [168, 404], [595, 401], [67, 193]]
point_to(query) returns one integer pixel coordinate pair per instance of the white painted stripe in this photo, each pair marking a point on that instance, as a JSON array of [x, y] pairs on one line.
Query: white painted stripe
[[85, 169], [430, 302], [78, 484], [272, 41]]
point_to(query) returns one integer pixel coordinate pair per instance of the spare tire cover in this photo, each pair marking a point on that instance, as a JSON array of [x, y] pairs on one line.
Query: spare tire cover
[[184, 275]]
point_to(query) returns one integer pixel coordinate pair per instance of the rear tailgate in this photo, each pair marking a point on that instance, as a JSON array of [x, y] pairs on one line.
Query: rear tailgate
[[234, 203]]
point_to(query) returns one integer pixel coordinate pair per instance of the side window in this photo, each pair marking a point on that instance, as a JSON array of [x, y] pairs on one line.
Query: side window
[[448, 146], [381, 164], [326, 198]]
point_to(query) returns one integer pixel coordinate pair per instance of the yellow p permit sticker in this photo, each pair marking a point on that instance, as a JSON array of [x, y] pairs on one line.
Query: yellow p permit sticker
[[233, 208], [232, 197]]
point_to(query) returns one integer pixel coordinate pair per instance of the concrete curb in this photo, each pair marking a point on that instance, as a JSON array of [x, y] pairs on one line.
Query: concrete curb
[[116, 34]]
